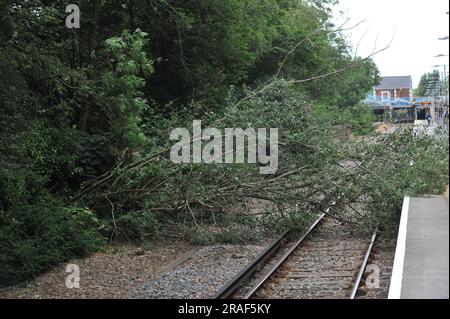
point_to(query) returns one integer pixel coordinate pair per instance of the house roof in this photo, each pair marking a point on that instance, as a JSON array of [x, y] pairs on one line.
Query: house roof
[[395, 82]]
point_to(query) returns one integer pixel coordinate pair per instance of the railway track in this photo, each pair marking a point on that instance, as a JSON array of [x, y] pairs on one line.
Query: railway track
[[327, 261]]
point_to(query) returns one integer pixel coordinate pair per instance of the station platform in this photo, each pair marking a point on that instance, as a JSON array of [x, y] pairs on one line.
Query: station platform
[[421, 264]]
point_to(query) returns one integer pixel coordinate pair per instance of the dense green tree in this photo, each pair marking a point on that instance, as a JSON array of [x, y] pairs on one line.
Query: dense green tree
[[429, 84]]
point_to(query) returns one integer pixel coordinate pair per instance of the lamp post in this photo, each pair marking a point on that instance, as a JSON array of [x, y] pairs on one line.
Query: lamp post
[[445, 71]]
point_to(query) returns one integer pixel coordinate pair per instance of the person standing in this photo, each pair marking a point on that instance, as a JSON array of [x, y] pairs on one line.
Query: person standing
[[429, 118]]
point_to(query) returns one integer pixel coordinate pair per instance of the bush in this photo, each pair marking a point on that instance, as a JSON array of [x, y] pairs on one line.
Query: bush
[[361, 119], [37, 236], [399, 164], [37, 229], [139, 226]]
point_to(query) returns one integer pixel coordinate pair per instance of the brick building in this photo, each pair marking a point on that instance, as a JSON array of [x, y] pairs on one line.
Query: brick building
[[394, 87]]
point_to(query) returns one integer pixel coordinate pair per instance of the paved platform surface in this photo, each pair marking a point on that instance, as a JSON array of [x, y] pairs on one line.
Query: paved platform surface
[[425, 266]]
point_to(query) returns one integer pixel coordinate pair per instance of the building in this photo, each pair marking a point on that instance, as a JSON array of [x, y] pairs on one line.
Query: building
[[393, 88], [393, 98]]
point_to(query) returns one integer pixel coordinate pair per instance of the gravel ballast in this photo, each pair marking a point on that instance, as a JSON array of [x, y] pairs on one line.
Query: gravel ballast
[[201, 276], [107, 275]]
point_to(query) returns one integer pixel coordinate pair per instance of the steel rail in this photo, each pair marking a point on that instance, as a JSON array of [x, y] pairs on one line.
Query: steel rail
[[363, 266], [264, 278], [233, 284]]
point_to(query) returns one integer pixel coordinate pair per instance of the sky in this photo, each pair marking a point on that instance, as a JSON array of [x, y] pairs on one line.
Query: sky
[[414, 25]]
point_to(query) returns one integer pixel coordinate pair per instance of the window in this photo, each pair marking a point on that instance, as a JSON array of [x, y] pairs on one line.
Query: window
[[385, 95]]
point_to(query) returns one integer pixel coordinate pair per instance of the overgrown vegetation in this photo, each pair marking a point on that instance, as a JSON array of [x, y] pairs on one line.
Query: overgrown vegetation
[[86, 114]]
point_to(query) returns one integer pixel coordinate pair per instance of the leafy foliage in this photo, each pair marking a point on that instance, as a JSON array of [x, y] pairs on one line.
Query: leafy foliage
[[122, 84], [370, 175], [404, 163], [85, 116], [35, 236]]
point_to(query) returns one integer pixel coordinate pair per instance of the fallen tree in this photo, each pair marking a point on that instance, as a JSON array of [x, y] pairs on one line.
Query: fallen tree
[[148, 193]]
